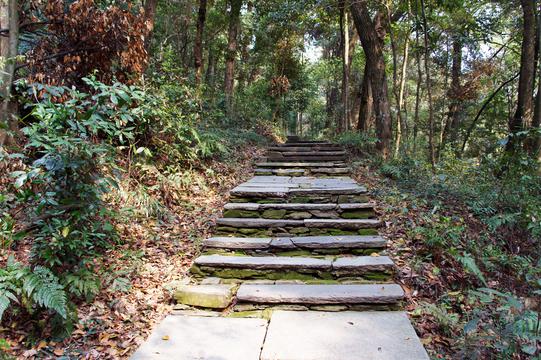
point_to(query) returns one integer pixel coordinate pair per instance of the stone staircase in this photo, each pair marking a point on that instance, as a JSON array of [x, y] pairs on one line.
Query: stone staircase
[[299, 236]]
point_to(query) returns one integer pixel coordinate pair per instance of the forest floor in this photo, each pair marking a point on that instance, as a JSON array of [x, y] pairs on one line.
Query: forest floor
[[153, 255]]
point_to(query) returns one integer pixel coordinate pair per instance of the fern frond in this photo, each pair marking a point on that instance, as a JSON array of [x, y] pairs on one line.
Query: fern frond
[[45, 290]]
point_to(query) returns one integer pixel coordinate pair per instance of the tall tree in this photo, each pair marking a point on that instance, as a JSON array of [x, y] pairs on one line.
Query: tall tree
[[231, 53], [9, 19], [431, 144], [198, 44], [344, 32], [372, 34], [524, 111]]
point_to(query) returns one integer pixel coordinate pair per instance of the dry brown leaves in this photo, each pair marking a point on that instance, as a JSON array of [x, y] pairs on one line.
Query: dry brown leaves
[[116, 323]]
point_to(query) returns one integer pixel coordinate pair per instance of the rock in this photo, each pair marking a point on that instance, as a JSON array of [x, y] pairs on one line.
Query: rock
[[238, 243], [264, 262], [359, 214], [333, 242], [342, 223], [210, 281], [298, 215], [206, 296], [274, 214], [311, 335], [325, 214], [258, 223], [282, 243], [240, 214], [360, 264], [320, 294]]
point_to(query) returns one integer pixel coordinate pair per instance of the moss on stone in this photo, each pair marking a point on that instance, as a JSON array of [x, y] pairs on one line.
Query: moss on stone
[[274, 214], [299, 230], [297, 215], [367, 251], [236, 213], [358, 214], [367, 232]]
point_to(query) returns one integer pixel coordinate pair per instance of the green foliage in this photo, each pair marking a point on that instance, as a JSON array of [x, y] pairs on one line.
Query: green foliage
[[357, 142], [503, 322], [33, 287]]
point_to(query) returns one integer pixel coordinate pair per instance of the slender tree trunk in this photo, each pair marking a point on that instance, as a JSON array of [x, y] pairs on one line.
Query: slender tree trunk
[[398, 84], [367, 102], [355, 94], [372, 36], [344, 29], [431, 145], [210, 74], [198, 44], [534, 147], [9, 19], [231, 53], [455, 106], [524, 111]]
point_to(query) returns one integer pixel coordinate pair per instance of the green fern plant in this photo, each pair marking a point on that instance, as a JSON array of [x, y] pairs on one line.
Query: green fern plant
[[38, 286]]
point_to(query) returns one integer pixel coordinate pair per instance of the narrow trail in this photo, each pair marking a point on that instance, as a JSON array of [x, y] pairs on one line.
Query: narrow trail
[[296, 270]]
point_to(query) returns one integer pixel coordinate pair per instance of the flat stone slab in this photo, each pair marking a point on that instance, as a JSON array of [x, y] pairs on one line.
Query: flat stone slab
[[309, 223], [342, 223], [313, 335], [339, 242], [258, 223], [237, 243], [300, 164], [264, 262], [321, 294], [366, 263], [353, 264], [207, 296], [197, 337], [300, 242]]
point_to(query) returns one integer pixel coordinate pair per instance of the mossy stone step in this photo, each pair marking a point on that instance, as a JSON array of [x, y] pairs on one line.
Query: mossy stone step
[[372, 243], [303, 171], [346, 224], [302, 164], [207, 296], [286, 267], [299, 211], [320, 294]]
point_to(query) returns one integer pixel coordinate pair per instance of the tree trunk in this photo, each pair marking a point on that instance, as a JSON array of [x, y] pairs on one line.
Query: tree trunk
[[367, 101], [344, 30], [372, 36], [210, 74], [9, 19], [198, 44], [150, 15], [524, 111], [455, 107], [534, 147], [431, 145], [231, 54], [398, 84]]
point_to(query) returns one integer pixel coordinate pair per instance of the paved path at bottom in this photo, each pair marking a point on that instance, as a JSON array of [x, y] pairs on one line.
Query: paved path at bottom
[[289, 335]]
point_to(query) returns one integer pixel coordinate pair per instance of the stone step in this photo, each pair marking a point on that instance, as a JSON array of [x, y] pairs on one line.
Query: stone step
[[294, 267], [288, 189], [303, 158], [355, 244], [288, 152], [320, 294], [303, 172], [299, 211], [286, 227], [302, 164]]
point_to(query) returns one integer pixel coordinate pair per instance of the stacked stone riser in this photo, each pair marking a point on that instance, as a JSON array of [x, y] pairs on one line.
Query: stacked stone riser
[[300, 199], [320, 172], [376, 275], [278, 213]]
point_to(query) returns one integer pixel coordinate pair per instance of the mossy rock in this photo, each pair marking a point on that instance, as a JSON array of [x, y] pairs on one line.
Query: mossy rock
[[359, 214], [299, 230], [241, 214], [367, 251], [274, 214], [298, 215]]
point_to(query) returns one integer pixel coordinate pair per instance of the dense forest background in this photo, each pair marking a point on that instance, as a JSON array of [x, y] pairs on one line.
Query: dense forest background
[[122, 123]]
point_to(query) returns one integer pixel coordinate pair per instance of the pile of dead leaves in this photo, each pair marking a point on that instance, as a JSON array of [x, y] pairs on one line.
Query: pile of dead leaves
[[154, 255]]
